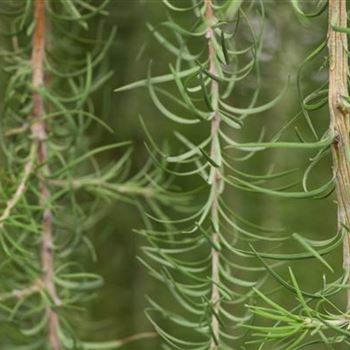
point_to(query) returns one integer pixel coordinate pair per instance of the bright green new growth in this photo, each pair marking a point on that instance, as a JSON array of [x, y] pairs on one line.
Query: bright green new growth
[[54, 188]]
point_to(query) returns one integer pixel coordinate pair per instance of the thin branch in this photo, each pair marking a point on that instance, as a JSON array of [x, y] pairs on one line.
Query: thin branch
[[139, 336], [22, 293], [216, 180], [16, 131], [131, 189], [339, 120], [21, 188], [121, 342], [39, 134]]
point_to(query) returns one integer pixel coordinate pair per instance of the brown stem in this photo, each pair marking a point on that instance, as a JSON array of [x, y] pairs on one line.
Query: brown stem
[[39, 134], [216, 179], [339, 121]]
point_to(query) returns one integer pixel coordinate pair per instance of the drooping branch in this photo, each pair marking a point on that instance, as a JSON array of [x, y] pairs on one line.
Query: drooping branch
[[215, 177], [339, 120], [39, 134]]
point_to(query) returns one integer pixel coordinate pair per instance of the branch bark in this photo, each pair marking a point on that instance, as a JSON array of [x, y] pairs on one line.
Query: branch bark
[[339, 121], [38, 130], [215, 176]]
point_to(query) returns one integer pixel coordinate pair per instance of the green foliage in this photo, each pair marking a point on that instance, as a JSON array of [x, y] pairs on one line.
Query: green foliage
[[56, 184], [203, 256], [317, 316], [211, 250], [221, 273]]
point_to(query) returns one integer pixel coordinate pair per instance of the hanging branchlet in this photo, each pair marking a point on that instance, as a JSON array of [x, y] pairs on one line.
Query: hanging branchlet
[[204, 256], [39, 134], [319, 316], [215, 176], [54, 186]]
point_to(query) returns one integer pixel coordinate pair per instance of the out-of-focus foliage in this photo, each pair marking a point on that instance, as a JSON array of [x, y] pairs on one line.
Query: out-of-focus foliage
[[56, 183]]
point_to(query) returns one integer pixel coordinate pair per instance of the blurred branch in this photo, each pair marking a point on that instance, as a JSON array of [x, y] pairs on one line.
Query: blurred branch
[[119, 343], [132, 189], [22, 293], [12, 202]]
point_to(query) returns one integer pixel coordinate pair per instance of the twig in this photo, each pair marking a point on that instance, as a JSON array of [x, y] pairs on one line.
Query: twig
[[129, 339], [21, 188], [339, 121], [118, 188], [38, 130], [22, 293], [215, 178], [16, 131], [138, 336]]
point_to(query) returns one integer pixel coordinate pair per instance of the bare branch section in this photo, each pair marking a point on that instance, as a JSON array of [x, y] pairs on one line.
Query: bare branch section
[[339, 120], [39, 134], [216, 180]]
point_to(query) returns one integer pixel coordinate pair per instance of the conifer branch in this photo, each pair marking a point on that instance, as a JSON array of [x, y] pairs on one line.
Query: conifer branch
[[39, 134], [339, 120], [210, 290], [122, 188], [47, 109], [216, 180]]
